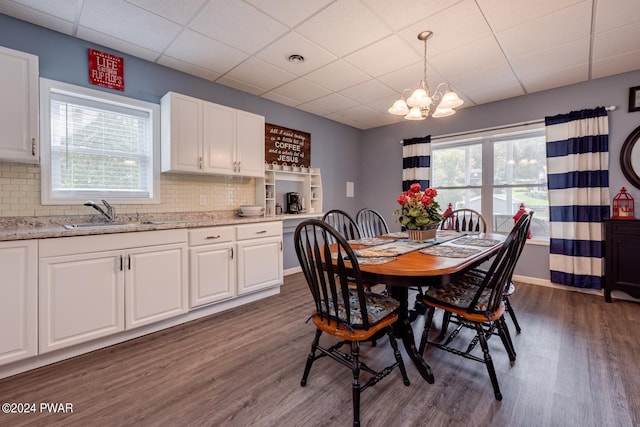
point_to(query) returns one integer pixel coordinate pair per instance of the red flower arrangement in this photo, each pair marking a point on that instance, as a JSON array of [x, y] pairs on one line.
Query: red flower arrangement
[[418, 208]]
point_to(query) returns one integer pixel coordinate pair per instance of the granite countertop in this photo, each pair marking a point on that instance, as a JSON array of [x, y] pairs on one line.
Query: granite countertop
[[22, 228]]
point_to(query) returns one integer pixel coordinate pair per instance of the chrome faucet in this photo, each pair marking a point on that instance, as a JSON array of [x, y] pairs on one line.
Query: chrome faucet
[[110, 214]]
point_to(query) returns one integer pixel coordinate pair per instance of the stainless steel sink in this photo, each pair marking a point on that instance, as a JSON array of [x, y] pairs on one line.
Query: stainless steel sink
[[87, 225]]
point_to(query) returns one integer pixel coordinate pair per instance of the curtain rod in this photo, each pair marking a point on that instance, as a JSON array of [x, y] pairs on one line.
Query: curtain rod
[[532, 122]]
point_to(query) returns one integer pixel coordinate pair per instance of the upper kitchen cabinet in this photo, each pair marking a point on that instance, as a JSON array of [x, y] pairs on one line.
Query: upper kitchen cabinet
[[203, 137], [18, 106]]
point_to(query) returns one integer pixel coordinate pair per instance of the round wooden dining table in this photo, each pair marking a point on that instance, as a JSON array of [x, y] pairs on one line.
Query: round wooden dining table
[[415, 269]]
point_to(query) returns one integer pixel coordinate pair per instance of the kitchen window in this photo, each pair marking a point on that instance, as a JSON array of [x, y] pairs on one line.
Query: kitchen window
[[97, 145], [493, 172]]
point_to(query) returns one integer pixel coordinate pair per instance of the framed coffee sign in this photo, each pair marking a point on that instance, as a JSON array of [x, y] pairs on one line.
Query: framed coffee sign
[[287, 147]]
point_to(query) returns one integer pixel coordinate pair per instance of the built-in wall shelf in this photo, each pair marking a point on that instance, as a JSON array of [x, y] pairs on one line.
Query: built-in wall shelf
[[277, 183]]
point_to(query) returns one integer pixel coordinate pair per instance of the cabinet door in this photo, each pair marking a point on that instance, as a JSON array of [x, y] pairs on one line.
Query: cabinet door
[[81, 298], [211, 273], [259, 264], [155, 283], [250, 144], [219, 139], [19, 106], [181, 133], [19, 303]]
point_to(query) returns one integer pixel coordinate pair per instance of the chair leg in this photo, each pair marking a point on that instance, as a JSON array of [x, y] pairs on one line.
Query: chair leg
[[355, 368], [398, 356], [488, 361], [311, 358], [446, 318], [512, 314], [505, 336], [427, 327]]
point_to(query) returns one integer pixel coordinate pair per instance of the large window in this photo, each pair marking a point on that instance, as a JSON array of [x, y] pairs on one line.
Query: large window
[[494, 173], [97, 145]]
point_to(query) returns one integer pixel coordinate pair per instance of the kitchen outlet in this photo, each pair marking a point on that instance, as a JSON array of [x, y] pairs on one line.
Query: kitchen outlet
[[203, 200]]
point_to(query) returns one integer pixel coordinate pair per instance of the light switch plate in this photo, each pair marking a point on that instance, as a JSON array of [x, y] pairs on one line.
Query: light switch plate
[[349, 189]]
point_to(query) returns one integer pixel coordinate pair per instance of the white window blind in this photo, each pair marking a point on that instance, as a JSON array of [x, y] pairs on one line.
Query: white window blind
[[99, 149]]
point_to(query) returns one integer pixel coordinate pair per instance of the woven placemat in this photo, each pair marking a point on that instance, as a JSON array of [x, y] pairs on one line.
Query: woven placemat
[[450, 251]]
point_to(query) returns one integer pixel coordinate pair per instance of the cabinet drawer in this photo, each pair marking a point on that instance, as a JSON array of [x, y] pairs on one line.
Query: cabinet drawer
[[263, 229], [210, 235]]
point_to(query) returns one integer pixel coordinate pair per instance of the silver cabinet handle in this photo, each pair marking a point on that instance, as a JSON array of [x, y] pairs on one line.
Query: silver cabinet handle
[[212, 237], [33, 146], [230, 253], [200, 162], [261, 232]]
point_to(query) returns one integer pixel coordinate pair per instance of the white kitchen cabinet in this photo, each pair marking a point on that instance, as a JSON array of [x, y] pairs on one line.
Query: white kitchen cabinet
[[212, 265], [19, 301], [81, 298], [19, 106], [203, 137], [259, 256], [86, 282], [155, 284]]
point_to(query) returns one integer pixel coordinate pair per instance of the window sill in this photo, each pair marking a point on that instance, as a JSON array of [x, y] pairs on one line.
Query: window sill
[[538, 241]]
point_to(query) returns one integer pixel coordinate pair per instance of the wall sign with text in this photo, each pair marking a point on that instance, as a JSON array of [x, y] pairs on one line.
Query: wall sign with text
[[106, 70], [287, 147]]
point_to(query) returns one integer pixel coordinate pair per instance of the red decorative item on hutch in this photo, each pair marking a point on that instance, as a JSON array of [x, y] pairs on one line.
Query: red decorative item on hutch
[[623, 206]]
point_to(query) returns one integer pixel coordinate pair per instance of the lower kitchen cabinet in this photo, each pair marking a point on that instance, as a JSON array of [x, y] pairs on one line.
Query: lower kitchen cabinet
[[83, 293], [259, 256], [212, 264], [19, 301], [155, 284], [81, 298]]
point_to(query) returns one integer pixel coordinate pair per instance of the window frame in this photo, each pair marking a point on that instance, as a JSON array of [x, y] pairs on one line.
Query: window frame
[[487, 139], [48, 196]]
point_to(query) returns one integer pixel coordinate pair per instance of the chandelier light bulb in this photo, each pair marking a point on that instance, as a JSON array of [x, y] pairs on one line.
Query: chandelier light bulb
[[399, 108], [443, 112], [415, 114]]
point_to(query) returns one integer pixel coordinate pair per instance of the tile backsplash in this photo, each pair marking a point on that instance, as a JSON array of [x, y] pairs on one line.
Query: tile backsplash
[[20, 194]]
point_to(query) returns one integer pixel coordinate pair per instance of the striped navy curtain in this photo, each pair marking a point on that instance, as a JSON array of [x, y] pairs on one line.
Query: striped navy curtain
[[416, 162], [578, 179]]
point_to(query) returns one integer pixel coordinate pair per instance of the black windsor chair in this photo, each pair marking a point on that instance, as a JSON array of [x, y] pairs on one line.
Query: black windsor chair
[[371, 223], [342, 307]]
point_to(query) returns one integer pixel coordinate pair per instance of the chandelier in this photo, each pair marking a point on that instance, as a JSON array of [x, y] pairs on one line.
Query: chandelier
[[421, 101]]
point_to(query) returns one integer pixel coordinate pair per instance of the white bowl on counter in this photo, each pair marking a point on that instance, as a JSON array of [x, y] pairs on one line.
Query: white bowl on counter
[[251, 210]]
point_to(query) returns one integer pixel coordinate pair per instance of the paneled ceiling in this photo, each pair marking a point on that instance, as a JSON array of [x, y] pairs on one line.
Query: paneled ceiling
[[360, 54]]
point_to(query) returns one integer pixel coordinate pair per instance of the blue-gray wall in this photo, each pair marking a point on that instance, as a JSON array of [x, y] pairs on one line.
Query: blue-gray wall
[[371, 159]]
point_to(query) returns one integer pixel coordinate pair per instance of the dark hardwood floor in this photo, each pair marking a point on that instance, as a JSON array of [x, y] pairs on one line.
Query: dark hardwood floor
[[577, 366]]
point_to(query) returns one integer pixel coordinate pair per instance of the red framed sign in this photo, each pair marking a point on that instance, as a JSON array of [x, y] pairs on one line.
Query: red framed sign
[[106, 70]]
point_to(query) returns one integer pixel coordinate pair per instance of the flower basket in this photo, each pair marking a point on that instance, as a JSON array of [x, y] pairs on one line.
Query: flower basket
[[427, 233]]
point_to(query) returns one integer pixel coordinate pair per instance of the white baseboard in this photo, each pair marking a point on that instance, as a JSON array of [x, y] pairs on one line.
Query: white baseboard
[[549, 284], [294, 270]]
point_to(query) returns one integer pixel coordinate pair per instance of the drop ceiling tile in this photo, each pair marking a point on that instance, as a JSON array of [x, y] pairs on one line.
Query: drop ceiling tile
[[309, 108], [407, 77], [124, 21], [367, 91], [351, 26], [260, 74], [63, 9], [482, 53], [563, 26], [502, 15], [289, 12], [485, 94], [278, 53], [552, 60], [117, 44], [37, 17], [337, 75], [617, 42], [179, 12], [616, 64], [477, 84], [240, 85], [613, 14], [401, 13], [383, 56], [456, 26], [536, 82], [332, 102], [280, 99], [363, 117], [199, 50], [301, 91], [188, 68]]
